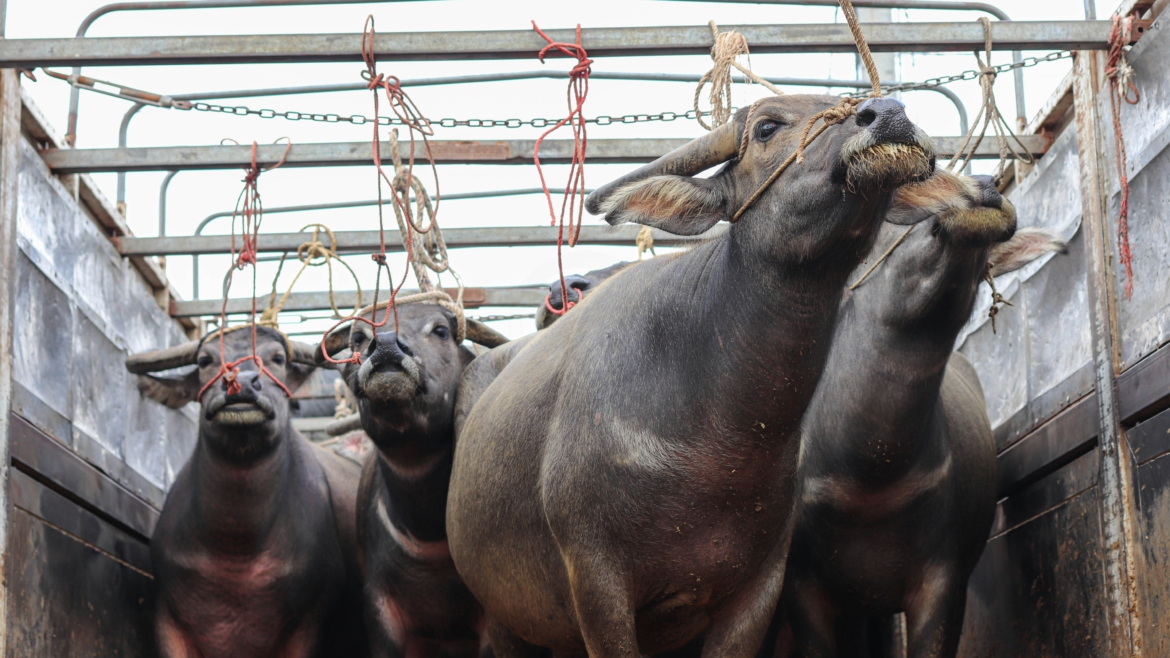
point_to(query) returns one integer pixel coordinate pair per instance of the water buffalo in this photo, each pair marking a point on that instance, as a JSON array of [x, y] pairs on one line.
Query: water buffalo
[[627, 482], [898, 464], [255, 552], [579, 284], [416, 603]]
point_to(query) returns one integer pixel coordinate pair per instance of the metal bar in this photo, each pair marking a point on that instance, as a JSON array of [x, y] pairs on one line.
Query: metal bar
[[502, 152], [879, 4], [74, 93], [162, 202], [10, 139], [319, 301], [1122, 602], [349, 242], [602, 42]]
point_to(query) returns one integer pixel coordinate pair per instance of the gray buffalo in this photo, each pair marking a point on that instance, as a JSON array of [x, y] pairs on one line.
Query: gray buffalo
[[255, 552], [627, 482], [898, 465], [405, 386]]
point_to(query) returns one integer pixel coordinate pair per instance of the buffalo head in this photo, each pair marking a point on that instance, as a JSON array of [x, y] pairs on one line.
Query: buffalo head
[[239, 425], [841, 186]]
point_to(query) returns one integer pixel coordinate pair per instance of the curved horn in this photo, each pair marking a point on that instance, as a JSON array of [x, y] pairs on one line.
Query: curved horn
[[336, 342], [716, 147], [156, 360], [478, 332], [304, 353], [343, 426]]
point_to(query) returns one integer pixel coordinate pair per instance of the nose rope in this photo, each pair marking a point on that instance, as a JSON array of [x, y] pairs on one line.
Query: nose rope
[[311, 253], [880, 260], [830, 117]]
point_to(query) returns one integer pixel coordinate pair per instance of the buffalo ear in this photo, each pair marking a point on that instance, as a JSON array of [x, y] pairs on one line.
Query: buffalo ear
[[942, 193], [296, 374], [676, 204], [174, 392], [1025, 246]]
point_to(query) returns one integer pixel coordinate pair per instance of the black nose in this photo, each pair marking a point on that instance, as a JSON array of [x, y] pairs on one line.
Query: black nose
[[577, 284], [989, 195], [886, 119], [389, 348]]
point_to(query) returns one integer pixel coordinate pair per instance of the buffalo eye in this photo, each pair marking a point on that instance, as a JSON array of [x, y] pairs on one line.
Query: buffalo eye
[[442, 332], [204, 360], [766, 129], [278, 359], [358, 340]]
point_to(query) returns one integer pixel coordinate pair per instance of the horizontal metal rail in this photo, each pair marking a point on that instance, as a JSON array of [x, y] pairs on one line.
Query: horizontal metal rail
[[502, 152], [319, 301], [523, 44], [349, 242], [878, 4]]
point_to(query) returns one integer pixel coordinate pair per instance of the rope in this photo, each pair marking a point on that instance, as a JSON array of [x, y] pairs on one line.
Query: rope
[[645, 241], [409, 115], [312, 253], [1009, 144], [831, 117], [997, 299], [575, 189], [343, 409], [880, 260], [1121, 87], [862, 47], [727, 49], [250, 210]]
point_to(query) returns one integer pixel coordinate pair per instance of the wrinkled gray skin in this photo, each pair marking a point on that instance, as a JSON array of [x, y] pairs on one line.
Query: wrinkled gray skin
[[416, 602], [627, 482], [255, 552], [898, 464]]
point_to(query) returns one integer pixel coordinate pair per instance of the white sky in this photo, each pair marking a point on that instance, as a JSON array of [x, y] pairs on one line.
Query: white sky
[[195, 195]]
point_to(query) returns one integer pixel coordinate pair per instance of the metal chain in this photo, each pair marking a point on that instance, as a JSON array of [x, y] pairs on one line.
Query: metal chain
[[358, 119], [1027, 62]]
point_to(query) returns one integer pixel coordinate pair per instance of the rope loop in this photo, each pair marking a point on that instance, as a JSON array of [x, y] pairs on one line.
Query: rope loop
[[1122, 88], [573, 203], [729, 46]]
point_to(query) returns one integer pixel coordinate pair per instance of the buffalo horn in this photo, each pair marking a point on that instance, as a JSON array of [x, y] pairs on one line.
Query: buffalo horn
[[304, 353], [156, 360], [716, 147], [481, 334], [336, 342]]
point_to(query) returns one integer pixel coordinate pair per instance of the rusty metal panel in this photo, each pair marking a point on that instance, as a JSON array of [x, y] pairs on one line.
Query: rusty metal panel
[[98, 386], [1051, 446], [1036, 590], [78, 586], [42, 341], [1152, 481], [1150, 439]]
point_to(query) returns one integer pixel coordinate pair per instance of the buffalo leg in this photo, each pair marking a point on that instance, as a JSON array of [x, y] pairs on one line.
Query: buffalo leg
[[604, 610], [934, 615], [740, 630], [506, 644], [813, 617]]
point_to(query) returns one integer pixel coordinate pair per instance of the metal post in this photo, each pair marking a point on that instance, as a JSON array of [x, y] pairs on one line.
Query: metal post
[[162, 203], [9, 185], [1118, 509]]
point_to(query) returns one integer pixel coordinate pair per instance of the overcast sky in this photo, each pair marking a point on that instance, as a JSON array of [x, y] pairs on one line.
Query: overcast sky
[[195, 195]]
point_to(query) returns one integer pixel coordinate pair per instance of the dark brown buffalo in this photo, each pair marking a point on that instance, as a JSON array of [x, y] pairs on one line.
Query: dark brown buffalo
[[415, 602], [627, 482], [898, 464], [255, 552]]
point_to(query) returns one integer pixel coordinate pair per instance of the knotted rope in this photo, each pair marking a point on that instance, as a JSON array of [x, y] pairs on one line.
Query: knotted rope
[[725, 53], [574, 200], [1009, 144], [830, 117], [997, 299], [645, 241], [1121, 86], [409, 115], [250, 210], [311, 253]]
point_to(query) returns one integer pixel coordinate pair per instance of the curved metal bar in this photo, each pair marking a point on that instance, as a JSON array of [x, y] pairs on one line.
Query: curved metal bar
[[490, 194], [75, 93], [162, 203]]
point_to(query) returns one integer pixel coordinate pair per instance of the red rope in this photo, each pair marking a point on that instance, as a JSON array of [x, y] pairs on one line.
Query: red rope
[[250, 210], [575, 188], [1118, 38], [410, 116]]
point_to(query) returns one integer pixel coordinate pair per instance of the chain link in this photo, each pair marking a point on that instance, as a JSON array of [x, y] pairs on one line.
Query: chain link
[[358, 119], [1027, 62]]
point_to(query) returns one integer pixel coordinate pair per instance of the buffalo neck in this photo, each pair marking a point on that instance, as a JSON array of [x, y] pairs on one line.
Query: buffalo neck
[[418, 494], [238, 504]]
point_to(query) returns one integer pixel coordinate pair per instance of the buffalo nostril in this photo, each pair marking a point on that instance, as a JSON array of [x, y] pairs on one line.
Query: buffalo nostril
[[257, 384], [866, 117], [404, 347]]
